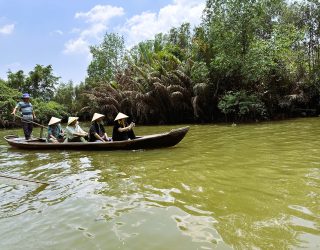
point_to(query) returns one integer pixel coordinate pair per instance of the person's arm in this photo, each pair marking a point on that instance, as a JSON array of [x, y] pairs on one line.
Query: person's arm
[[98, 137], [79, 134], [126, 128], [51, 136], [15, 109], [34, 115], [61, 131], [106, 136], [80, 131]]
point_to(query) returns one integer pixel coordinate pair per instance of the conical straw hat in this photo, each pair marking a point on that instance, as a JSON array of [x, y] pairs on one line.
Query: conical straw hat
[[72, 119], [96, 116], [121, 116], [54, 120]]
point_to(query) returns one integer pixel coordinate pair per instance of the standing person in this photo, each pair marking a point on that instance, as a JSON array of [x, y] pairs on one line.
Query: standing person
[[97, 132], [28, 115], [55, 132], [74, 133], [122, 130]]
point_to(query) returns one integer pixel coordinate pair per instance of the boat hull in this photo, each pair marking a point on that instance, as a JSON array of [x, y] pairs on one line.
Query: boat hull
[[168, 139]]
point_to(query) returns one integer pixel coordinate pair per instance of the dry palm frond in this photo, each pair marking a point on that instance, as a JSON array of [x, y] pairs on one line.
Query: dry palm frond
[[186, 93], [174, 79], [165, 80], [106, 90], [197, 111], [289, 100], [126, 105], [201, 89], [129, 93], [155, 73], [162, 97], [160, 89], [111, 111], [188, 66], [142, 85], [183, 77], [139, 96], [143, 112], [85, 109], [111, 101], [176, 97], [90, 96], [154, 79], [299, 98]]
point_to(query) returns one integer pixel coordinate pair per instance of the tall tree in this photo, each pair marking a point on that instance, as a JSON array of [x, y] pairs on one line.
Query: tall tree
[[107, 59], [42, 82], [16, 80], [65, 94]]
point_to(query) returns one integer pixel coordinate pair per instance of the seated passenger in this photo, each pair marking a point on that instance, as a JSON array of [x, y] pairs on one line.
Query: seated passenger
[[74, 133], [55, 132], [121, 130], [97, 132]]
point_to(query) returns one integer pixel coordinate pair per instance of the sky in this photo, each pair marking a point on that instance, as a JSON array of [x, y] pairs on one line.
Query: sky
[[59, 32]]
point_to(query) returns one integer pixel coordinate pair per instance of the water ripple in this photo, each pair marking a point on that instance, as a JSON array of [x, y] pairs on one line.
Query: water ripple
[[250, 186]]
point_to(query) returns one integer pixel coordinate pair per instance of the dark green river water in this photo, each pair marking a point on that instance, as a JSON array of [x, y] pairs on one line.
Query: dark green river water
[[251, 186]]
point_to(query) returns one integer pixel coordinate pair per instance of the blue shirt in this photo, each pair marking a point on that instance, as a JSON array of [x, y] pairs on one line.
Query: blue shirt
[[56, 131], [25, 107]]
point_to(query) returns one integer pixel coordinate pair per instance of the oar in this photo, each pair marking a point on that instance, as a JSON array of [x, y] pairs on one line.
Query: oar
[[24, 179], [38, 124]]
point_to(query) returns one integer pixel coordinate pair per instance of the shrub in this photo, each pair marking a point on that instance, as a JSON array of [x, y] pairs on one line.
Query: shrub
[[240, 105]]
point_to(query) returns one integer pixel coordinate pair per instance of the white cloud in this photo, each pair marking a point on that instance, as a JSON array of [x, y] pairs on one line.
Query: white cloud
[[101, 13], [98, 18], [56, 32], [135, 29], [75, 30], [147, 24], [7, 29], [94, 31], [78, 46], [59, 32]]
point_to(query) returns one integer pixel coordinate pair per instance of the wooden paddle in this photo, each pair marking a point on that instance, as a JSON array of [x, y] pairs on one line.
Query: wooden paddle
[[38, 124]]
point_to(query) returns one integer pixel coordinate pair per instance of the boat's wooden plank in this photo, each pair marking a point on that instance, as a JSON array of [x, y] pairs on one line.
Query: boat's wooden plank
[[167, 139]]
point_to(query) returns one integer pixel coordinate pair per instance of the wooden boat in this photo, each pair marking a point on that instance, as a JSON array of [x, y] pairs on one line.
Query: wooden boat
[[162, 140]]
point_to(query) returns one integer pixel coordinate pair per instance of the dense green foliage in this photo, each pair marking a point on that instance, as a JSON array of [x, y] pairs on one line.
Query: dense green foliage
[[40, 83], [107, 59], [8, 97], [247, 61]]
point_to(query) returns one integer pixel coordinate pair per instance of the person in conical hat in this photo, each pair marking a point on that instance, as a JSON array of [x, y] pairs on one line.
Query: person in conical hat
[[122, 130], [74, 133], [55, 132], [121, 116], [97, 132], [72, 119]]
